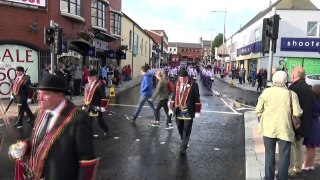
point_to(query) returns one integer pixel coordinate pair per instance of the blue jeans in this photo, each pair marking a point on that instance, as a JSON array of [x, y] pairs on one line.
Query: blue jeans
[[284, 158], [141, 102]]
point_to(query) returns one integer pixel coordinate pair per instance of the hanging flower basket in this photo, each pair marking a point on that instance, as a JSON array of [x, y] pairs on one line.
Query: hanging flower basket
[[86, 34]]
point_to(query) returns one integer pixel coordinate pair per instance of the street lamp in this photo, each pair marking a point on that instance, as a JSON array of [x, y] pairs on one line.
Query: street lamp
[[224, 31]]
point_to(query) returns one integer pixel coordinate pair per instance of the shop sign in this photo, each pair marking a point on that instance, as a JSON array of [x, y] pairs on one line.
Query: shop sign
[[72, 54], [100, 44], [300, 44], [41, 3], [12, 56], [251, 48]]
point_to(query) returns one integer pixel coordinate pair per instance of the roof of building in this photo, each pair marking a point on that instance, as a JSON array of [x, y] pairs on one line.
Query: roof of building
[[206, 43], [185, 45], [283, 5], [159, 32]]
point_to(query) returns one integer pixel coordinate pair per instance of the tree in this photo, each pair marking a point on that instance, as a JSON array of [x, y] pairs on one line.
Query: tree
[[217, 41]]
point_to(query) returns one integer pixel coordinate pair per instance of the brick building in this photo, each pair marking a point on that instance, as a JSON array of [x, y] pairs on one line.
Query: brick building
[[93, 24], [162, 40], [187, 51]]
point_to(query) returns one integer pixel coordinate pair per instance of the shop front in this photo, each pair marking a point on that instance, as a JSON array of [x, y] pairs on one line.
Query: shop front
[[12, 56]]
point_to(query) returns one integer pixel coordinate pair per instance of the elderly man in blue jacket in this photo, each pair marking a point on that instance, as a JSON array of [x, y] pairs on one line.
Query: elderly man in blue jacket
[[145, 92]]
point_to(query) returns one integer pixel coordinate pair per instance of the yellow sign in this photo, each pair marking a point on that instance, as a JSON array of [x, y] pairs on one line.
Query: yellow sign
[[112, 92]]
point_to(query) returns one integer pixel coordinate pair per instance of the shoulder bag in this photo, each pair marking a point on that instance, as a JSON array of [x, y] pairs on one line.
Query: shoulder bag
[[296, 123]]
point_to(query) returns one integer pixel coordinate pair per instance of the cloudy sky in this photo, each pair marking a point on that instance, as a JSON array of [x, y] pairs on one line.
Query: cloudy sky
[[187, 20]]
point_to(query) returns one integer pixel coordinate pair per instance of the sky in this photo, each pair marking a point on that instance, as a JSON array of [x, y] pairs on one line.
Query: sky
[[188, 20]]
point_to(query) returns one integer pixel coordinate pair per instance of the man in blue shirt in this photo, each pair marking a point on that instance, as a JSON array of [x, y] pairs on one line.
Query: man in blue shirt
[[145, 93]]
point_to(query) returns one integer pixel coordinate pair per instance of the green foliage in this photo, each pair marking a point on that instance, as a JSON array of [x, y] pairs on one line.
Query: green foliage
[[218, 40]]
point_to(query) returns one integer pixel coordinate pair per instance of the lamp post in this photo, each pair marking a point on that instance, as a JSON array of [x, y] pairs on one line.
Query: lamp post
[[224, 31]]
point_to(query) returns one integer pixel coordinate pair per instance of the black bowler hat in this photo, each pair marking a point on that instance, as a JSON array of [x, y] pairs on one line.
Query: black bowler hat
[[183, 73], [20, 68], [92, 72], [52, 83]]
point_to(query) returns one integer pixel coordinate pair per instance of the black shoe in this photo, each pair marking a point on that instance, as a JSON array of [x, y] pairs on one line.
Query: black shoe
[[17, 125]]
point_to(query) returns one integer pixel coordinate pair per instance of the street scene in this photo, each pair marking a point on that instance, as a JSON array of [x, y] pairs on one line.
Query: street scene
[[160, 90]]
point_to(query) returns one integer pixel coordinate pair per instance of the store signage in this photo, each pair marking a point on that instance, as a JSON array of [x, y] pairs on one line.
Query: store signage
[[71, 53], [41, 3], [100, 44], [251, 48], [12, 56], [300, 44]]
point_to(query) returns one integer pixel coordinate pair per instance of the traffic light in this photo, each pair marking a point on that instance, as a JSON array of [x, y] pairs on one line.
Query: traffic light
[[49, 35], [275, 26], [60, 41]]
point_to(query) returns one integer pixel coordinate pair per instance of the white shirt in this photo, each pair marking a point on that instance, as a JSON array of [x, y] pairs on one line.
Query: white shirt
[[55, 114]]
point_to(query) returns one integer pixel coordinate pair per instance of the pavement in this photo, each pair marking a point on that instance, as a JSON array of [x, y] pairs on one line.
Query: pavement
[[254, 148]]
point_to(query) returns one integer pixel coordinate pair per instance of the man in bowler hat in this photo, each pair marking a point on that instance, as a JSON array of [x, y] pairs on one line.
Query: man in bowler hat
[[20, 93], [61, 145], [185, 104], [94, 98]]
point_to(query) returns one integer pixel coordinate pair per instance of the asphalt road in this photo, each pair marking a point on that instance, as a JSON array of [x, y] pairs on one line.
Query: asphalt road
[[140, 151]]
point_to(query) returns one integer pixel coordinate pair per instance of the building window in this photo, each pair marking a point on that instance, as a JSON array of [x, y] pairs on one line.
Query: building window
[[257, 35], [182, 50], [313, 29], [130, 40], [115, 21], [170, 49], [174, 50], [71, 6], [145, 48], [141, 47], [98, 13]]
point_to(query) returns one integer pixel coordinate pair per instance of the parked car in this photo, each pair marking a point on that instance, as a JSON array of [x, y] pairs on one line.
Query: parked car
[[313, 79]]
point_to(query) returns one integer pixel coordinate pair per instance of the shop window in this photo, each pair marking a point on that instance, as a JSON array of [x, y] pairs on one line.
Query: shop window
[[313, 29], [98, 13], [71, 6], [115, 21]]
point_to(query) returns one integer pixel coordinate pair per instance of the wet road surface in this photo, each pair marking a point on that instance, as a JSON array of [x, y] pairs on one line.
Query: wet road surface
[[140, 151]]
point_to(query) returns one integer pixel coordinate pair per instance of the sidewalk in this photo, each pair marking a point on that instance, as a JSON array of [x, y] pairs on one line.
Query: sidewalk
[[77, 100], [254, 148]]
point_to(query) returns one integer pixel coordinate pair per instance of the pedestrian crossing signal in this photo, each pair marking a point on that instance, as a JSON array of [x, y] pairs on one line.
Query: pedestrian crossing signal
[[50, 35]]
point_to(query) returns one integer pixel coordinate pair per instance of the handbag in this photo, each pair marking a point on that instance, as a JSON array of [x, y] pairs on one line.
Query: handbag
[[296, 122]]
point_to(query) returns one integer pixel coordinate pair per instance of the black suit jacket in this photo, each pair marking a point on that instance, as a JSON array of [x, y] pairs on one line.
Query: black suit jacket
[[193, 97], [75, 143], [24, 91], [99, 93], [306, 101]]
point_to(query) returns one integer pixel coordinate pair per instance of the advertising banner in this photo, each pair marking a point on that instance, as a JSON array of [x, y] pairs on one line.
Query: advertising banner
[[12, 56], [41, 3]]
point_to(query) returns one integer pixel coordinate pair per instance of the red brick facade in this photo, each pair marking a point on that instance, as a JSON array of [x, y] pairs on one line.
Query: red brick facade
[[190, 54]]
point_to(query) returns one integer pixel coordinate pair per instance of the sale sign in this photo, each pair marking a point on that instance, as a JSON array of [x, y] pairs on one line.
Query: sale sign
[[41, 3], [12, 56]]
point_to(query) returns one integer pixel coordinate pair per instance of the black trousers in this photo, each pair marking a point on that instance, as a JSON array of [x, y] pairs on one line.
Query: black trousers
[[184, 128], [77, 86], [24, 108], [163, 104], [101, 122]]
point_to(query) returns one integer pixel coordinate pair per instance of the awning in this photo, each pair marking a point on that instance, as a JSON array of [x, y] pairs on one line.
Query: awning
[[80, 45], [105, 37]]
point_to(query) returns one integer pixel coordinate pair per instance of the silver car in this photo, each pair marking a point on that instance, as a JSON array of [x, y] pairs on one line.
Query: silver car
[[313, 79]]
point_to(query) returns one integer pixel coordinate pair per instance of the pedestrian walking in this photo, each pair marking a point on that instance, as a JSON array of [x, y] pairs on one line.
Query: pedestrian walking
[[276, 125], [306, 101], [21, 94], [145, 93], [312, 141], [260, 80], [94, 98], [61, 145], [185, 104], [77, 80], [162, 94], [45, 71]]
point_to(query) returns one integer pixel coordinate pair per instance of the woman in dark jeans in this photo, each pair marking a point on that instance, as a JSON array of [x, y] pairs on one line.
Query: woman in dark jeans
[[260, 81], [162, 94], [116, 77]]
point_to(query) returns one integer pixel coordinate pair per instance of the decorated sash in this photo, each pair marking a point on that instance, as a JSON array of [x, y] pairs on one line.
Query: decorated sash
[[181, 101], [17, 85], [88, 94], [39, 155]]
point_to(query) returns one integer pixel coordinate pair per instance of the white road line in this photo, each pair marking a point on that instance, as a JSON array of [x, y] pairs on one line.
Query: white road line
[[228, 105], [221, 112], [244, 109], [205, 111], [242, 103]]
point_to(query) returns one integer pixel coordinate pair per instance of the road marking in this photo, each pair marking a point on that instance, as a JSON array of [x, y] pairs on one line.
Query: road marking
[[239, 109], [205, 111], [116, 138], [241, 103], [228, 105], [137, 140], [216, 93], [162, 142], [216, 149]]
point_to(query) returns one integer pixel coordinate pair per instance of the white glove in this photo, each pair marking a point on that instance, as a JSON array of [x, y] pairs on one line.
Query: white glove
[[103, 109], [170, 112], [17, 150], [83, 108], [11, 97], [29, 101], [197, 115]]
